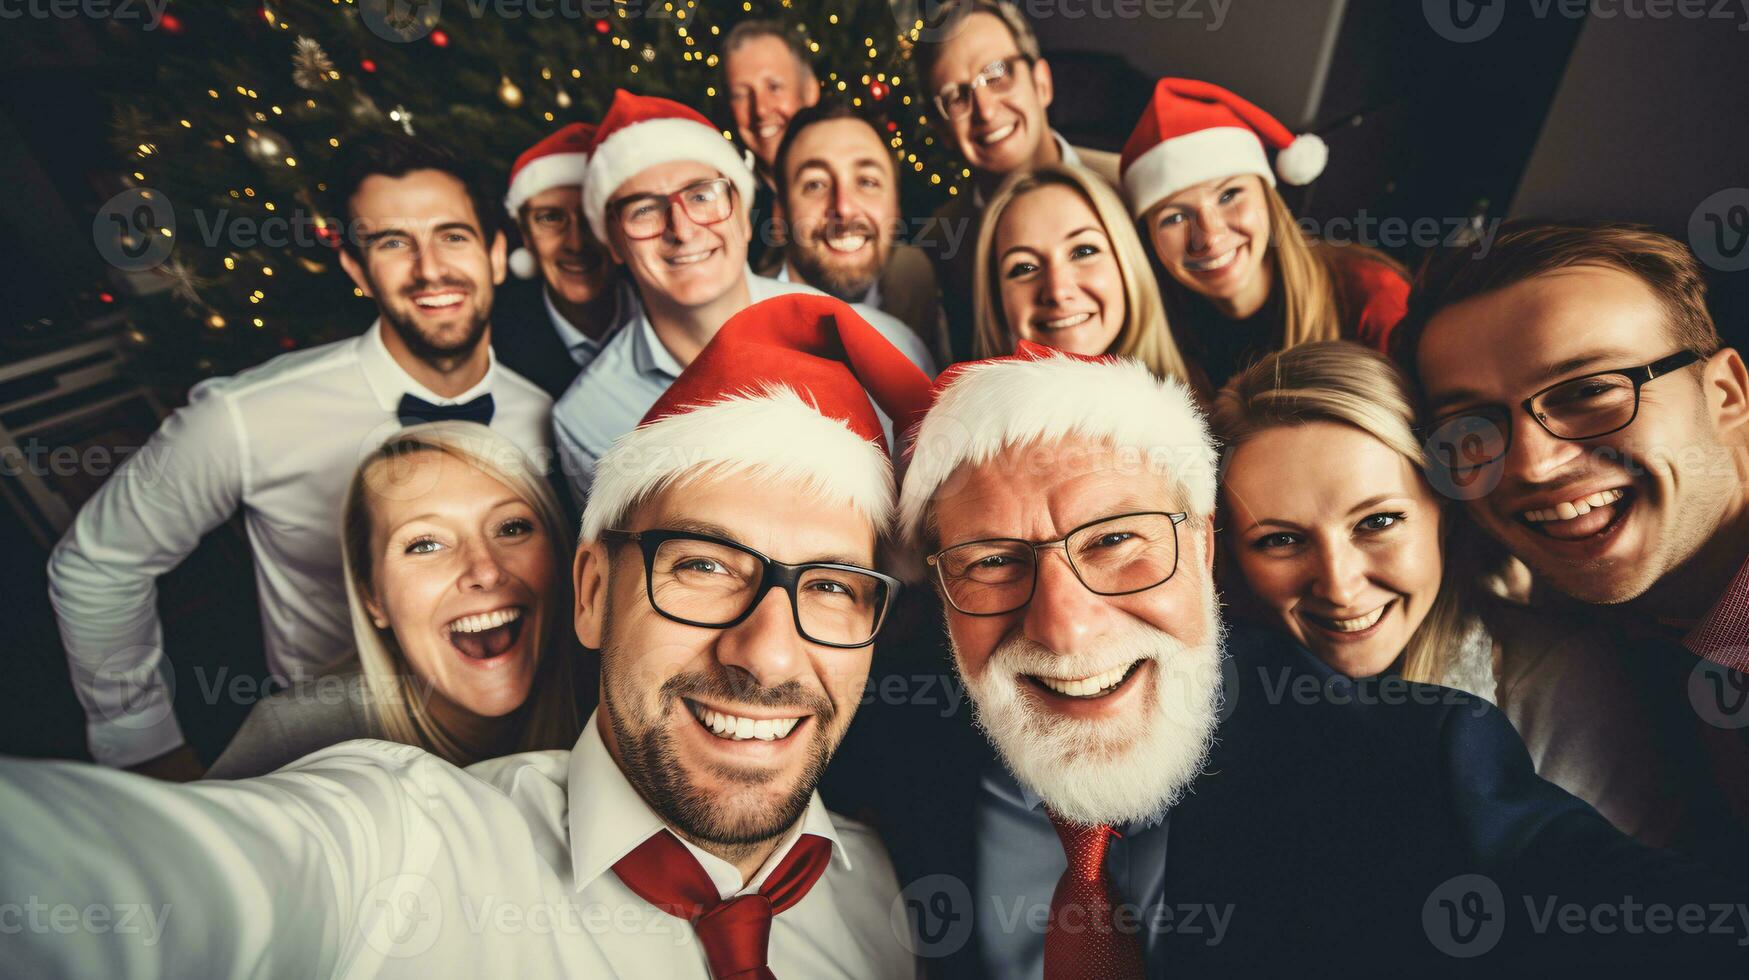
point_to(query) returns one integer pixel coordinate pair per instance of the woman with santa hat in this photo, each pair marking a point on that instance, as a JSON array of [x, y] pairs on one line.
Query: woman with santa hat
[[1239, 276]]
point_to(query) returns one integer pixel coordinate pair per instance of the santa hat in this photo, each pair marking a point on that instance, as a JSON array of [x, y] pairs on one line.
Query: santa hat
[[782, 391], [1043, 395], [559, 160], [1195, 131], [640, 132]]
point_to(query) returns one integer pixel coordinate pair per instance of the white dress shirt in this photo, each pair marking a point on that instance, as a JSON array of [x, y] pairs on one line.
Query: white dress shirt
[[634, 368], [280, 441], [373, 859]]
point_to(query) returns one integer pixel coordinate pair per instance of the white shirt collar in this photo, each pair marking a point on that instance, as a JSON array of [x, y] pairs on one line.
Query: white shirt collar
[[1067, 152], [608, 820], [389, 381]]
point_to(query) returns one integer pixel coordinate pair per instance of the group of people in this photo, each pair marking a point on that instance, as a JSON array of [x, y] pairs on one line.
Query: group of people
[[1280, 595]]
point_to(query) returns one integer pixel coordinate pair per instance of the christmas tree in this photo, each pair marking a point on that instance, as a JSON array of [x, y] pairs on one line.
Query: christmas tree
[[225, 148]]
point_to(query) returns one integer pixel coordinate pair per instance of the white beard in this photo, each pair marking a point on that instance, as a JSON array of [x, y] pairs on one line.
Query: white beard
[[1109, 771]]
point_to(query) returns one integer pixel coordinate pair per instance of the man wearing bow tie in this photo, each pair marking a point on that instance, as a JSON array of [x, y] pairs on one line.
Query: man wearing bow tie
[[281, 440]]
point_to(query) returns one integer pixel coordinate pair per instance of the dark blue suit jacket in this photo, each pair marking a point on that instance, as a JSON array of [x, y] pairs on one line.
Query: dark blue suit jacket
[[1370, 828]]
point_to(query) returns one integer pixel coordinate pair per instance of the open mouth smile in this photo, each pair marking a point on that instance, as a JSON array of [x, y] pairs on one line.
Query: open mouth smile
[[485, 636], [1593, 515], [740, 728], [1097, 686]]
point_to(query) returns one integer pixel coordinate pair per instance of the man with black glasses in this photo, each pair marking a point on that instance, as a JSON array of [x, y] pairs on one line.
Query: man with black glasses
[[668, 196], [988, 87], [727, 577], [1581, 403]]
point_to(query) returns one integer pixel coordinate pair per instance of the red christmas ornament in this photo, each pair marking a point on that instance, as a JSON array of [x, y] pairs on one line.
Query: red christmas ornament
[[877, 89], [440, 38], [368, 65], [286, 343], [602, 27], [892, 127], [106, 297], [170, 22]]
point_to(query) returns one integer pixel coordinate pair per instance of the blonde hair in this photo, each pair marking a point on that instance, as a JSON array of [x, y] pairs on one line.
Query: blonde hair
[[397, 700], [1313, 308], [1143, 336], [1345, 382]]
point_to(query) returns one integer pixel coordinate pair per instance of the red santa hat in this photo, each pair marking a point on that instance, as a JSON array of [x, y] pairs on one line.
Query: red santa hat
[[640, 132], [558, 160], [1195, 131], [782, 391], [1042, 395]]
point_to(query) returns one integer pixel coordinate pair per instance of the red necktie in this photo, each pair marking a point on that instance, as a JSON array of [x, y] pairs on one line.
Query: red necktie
[[734, 933], [1082, 940]]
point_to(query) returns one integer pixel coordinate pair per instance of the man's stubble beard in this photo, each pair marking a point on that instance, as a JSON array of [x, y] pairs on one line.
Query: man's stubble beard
[[651, 761]]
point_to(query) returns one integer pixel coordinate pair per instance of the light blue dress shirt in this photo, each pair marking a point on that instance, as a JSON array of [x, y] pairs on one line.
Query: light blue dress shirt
[[633, 369], [584, 348], [1020, 860]]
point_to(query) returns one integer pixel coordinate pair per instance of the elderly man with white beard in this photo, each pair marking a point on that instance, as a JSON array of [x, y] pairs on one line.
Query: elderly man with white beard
[[1154, 796]]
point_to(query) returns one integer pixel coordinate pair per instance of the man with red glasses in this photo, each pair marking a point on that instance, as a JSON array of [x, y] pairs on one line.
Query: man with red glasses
[[989, 88], [727, 577], [669, 197], [1580, 401]]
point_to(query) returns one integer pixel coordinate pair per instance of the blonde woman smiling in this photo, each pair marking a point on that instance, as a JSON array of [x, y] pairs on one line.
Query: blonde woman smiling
[[1059, 265], [1239, 277], [456, 558]]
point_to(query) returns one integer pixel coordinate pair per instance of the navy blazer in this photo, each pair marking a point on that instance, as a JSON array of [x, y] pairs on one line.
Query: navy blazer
[[1371, 828], [525, 340]]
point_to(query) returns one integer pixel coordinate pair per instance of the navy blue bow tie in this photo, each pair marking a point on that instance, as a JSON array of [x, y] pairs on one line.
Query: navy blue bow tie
[[414, 410]]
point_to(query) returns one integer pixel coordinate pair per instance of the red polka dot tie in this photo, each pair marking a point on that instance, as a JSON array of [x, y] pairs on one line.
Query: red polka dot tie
[[1082, 941], [734, 933]]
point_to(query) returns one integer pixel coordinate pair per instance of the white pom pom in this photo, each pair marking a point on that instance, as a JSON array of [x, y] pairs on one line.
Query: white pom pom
[[522, 264], [1303, 160]]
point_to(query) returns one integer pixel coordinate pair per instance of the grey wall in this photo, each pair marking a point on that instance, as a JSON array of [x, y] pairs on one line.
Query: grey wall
[[1650, 119], [1276, 52]]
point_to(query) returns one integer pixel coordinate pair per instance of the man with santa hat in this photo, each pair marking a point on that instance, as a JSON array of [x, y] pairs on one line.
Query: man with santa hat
[[668, 195], [727, 576], [569, 299]]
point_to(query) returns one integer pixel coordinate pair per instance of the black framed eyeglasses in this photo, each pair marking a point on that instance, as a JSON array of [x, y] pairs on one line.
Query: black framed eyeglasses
[[703, 580], [1118, 555], [1586, 407], [706, 202], [954, 101]]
